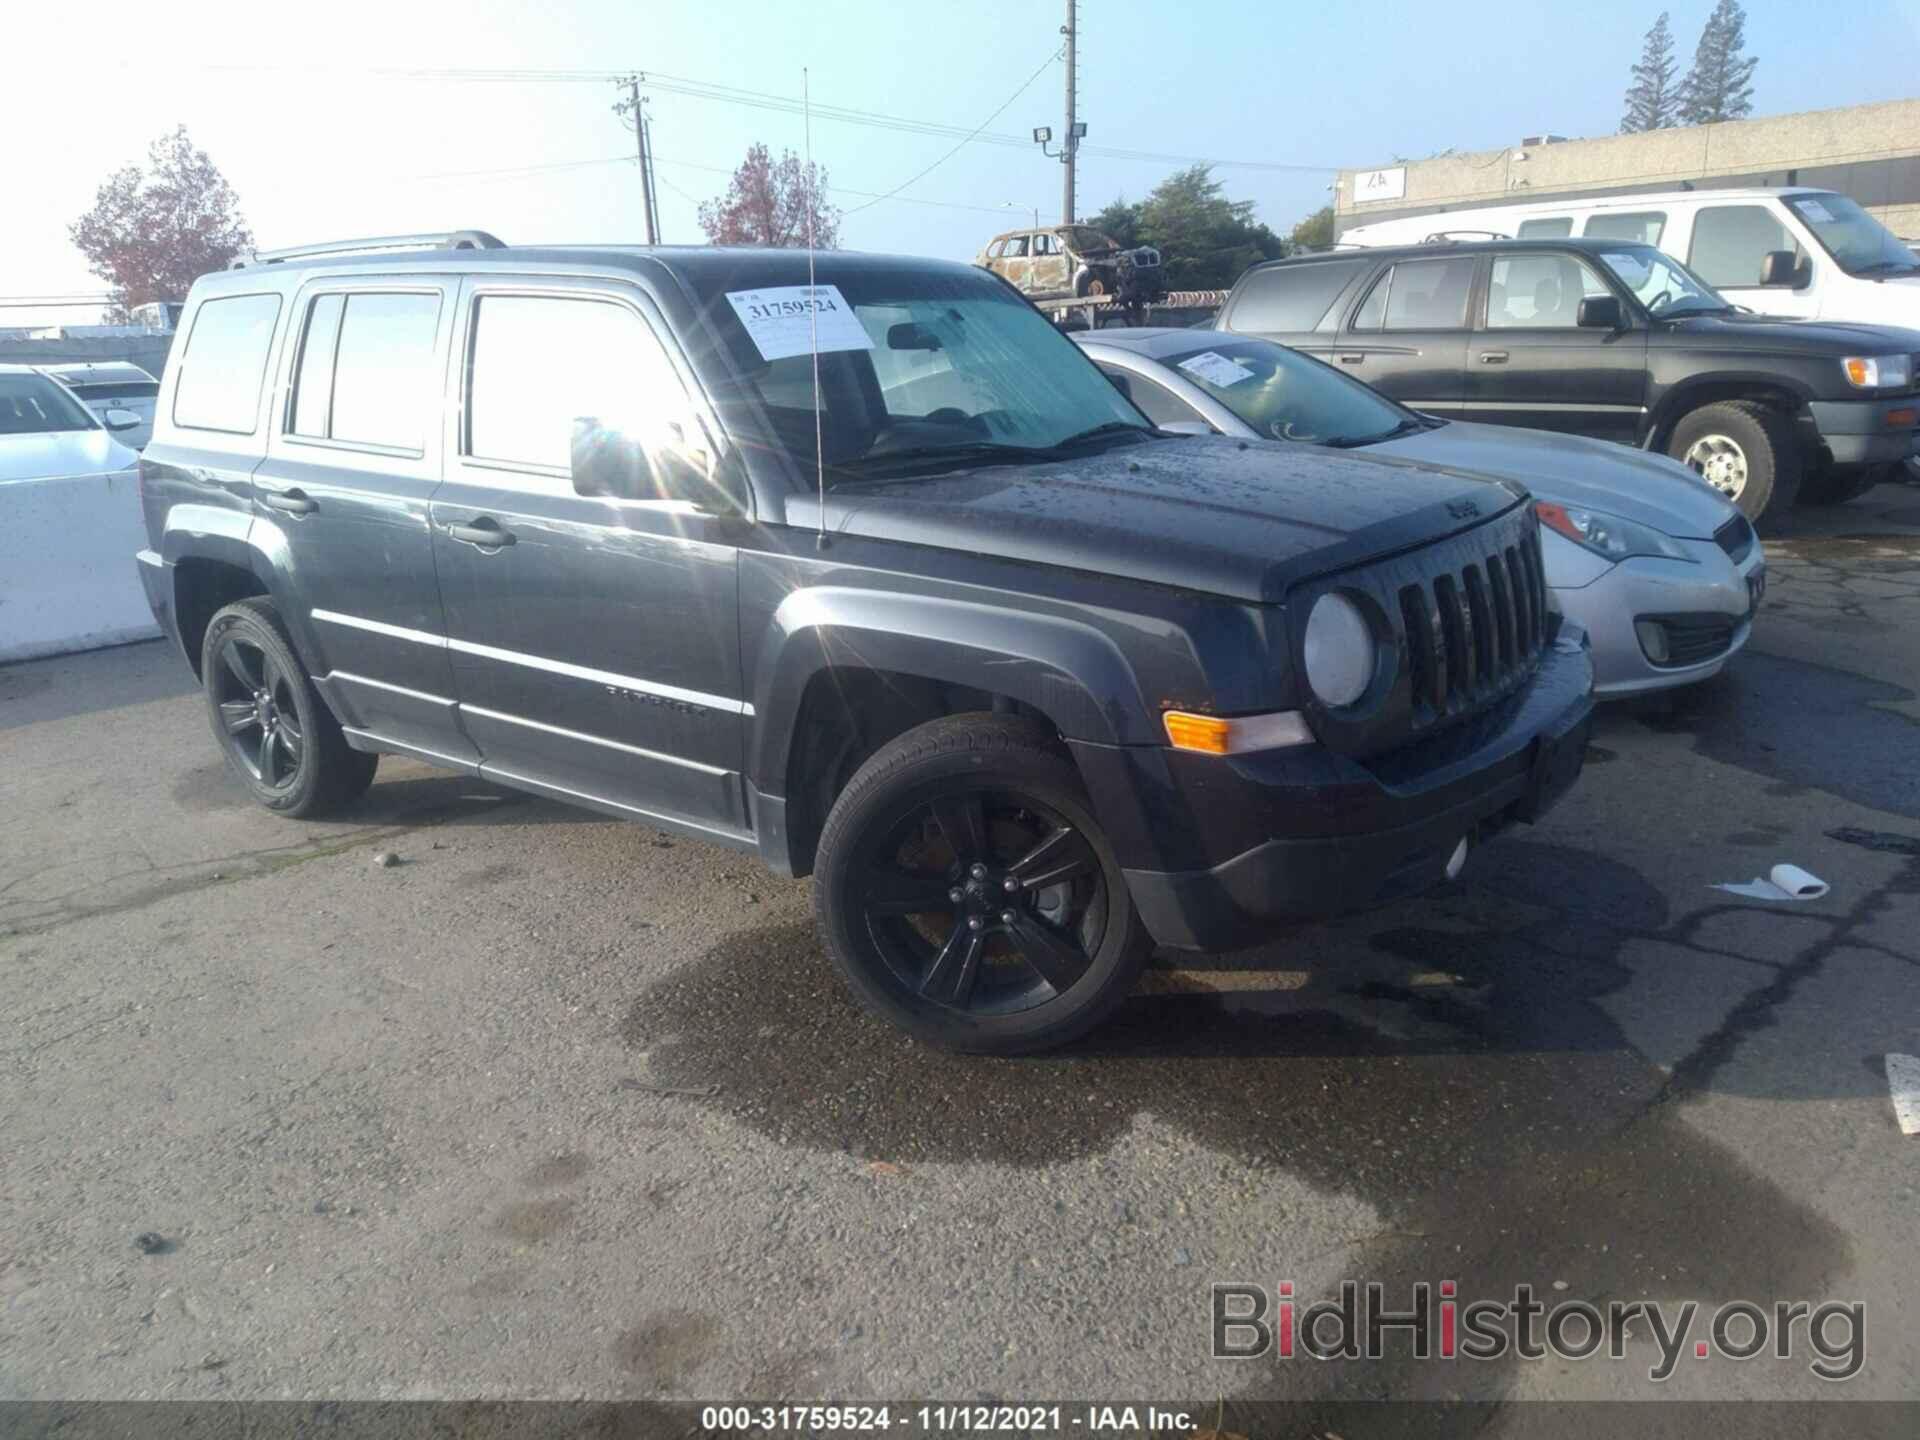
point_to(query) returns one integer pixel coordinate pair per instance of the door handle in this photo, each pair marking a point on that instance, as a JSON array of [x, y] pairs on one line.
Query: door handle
[[484, 532], [1351, 359], [1493, 357], [294, 502]]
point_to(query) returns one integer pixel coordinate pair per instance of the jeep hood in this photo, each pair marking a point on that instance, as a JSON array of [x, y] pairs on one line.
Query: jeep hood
[[1573, 470], [1247, 519]]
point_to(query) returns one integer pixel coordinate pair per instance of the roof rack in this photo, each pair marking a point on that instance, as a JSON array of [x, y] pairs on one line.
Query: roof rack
[[445, 240], [1443, 236]]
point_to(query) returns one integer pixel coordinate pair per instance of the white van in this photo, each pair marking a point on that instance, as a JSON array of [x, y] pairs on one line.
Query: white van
[[1786, 251]]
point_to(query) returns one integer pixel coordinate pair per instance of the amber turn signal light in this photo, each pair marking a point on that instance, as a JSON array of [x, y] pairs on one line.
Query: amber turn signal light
[[1205, 733]]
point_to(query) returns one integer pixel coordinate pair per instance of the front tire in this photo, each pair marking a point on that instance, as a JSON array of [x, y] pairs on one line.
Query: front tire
[[967, 893], [277, 734], [1746, 451]]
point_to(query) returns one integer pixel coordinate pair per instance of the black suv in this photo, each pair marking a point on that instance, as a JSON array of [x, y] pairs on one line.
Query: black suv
[[1025, 683], [1609, 339]]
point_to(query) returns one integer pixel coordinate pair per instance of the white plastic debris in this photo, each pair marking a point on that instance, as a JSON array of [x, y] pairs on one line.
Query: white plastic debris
[[1903, 1080], [1783, 882]]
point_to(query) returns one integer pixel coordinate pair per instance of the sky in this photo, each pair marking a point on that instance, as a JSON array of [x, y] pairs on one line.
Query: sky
[[294, 105]]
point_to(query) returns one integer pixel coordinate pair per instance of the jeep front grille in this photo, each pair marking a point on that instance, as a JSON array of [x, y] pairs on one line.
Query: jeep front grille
[[1473, 634]]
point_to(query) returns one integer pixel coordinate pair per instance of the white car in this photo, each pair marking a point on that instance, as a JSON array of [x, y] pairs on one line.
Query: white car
[[113, 385], [1811, 254], [69, 518], [1663, 572]]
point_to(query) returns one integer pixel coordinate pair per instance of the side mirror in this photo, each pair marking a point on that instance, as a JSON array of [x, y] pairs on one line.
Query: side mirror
[[1780, 269], [1600, 312], [609, 462], [117, 419], [613, 464]]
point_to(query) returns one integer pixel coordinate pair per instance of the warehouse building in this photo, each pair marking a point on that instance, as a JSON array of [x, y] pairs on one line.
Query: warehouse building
[[1869, 152]]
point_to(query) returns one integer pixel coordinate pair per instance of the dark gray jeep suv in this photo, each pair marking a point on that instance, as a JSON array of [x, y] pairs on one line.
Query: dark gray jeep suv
[[1026, 684]]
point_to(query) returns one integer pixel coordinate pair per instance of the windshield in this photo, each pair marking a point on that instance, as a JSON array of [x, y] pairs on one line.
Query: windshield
[[1666, 287], [1285, 395], [1859, 244], [34, 405], [956, 371], [1081, 238]]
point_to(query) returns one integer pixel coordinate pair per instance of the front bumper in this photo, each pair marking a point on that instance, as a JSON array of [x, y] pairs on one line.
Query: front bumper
[[1713, 587], [1868, 432], [1297, 833]]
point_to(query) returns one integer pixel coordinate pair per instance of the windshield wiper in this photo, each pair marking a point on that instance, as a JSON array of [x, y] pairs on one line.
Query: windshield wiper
[[1349, 442], [1095, 432], [967, 453]]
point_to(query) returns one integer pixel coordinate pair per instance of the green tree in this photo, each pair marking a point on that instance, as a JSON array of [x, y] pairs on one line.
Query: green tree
[[1653, 100], [151, 233], [1120, 222], [1720, 85], [1205, 240], [1313, 233]]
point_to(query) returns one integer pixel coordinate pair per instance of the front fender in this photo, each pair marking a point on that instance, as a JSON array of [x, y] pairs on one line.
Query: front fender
[[1068, 671]]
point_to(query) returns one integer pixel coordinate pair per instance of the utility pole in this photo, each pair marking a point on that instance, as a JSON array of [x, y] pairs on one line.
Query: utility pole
[[634, 107], [1073, 138]]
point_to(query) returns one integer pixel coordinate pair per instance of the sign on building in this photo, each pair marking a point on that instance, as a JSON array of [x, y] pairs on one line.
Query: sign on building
[[1380, 185]]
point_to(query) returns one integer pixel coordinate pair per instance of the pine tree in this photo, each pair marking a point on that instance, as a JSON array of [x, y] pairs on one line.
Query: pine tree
[[1652, 100], [1720, 85]]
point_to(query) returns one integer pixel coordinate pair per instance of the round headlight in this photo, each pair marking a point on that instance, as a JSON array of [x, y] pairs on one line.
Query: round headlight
[[1339, 650]]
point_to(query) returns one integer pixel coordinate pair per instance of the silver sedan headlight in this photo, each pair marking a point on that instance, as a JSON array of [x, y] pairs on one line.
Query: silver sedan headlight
[[1613, 536], [1340, 651]]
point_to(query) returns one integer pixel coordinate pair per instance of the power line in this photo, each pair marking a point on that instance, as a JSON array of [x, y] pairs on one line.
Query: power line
[[1025, 86], [763, 100]]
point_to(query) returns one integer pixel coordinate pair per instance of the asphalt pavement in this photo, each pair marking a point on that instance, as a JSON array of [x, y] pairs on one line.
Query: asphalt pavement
[[561, 1107]]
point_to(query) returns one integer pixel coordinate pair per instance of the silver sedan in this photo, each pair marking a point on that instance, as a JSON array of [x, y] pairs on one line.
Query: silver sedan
[[1665, 574]]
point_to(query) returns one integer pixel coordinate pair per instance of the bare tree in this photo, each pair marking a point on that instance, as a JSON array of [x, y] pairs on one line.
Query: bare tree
[[152, 232], [768, 202]]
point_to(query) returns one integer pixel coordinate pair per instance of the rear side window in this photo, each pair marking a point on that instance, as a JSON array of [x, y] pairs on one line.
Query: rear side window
[[1291, 299], [1557, 228], [542, 366], [1729, 242], [366, 373], [225, 363], [1641, 227]]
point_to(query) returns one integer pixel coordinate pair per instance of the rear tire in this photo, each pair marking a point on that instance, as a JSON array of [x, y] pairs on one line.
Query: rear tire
[[1042, 941], [1828, 487], [1746, 451], [277, 734]]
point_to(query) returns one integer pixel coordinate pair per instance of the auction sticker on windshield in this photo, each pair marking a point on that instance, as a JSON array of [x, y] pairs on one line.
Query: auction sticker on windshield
[[1815, 212], [1215, 368], [782, 321]]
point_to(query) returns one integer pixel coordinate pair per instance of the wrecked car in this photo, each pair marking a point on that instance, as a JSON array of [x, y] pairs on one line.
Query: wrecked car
[[1077, 260]]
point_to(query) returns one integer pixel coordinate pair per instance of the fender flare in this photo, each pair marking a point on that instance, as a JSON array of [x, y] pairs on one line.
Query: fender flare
[[1680, 399], [1063, 668]]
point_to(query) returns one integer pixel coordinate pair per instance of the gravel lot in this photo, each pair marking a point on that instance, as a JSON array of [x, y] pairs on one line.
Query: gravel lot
[[399, 1131]]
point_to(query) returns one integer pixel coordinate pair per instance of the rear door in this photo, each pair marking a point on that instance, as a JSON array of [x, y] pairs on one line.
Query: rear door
[[594, 638], [1407, 337], [341, 504], [1531, 364]]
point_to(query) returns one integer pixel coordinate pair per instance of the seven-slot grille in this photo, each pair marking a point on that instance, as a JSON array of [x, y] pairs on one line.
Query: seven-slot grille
[[1475, 633]]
